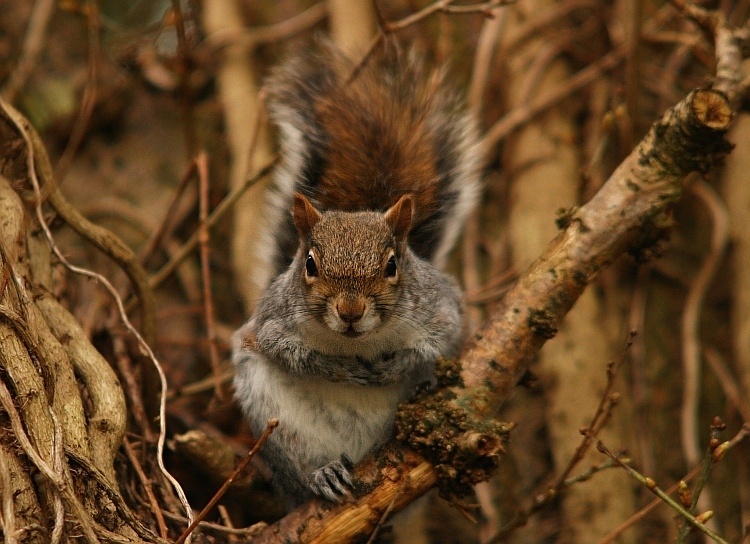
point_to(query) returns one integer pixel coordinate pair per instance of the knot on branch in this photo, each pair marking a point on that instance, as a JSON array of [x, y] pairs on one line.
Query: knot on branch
[[464, 449]]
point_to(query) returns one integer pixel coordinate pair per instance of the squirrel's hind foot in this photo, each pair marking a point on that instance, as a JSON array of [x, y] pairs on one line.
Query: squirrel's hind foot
[[333, 481]]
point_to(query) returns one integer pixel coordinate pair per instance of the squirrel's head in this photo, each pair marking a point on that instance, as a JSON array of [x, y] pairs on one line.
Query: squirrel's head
[[352, 264]]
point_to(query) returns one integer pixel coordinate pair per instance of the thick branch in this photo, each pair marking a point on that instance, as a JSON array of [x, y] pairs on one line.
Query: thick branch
[[628, 214]]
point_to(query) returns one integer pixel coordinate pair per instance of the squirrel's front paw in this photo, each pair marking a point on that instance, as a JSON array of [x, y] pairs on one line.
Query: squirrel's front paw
[[333, 480]]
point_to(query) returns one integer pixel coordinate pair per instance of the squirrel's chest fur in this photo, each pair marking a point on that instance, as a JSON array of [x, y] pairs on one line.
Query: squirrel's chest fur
[[319, 418]]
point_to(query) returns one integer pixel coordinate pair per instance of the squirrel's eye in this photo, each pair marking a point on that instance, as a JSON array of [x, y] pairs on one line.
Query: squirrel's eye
[[310, 267], [390, 267]]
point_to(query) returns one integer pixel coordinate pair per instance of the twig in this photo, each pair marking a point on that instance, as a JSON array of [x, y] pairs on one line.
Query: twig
[[638, 516], [669, 72], [691, 316], [137, 408], [548, 52], [588, 473], [379, 16], [203, 385], [205, 253], [633, 74], [728, 382], [643, 512], [651, 486], [552, 15], [246, 532], [486, 47], [386, 28], [254, 37], [223, 207], [270, 426], [32, 46], [445, 6], [600, 417], [639, 385], [519, 116], [695, 496], [185, 68], [88, 101], [146, 483], [386, 513], [470, 267], [167, 221]]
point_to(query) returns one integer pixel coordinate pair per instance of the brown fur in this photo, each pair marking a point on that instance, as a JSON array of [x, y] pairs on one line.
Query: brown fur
[[382, 149]]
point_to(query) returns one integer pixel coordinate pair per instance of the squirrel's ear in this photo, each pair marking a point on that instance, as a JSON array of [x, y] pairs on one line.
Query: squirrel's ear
[[399, 216], [305, 215]]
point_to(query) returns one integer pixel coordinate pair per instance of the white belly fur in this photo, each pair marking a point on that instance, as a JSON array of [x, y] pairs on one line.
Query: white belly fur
[[327, 418]]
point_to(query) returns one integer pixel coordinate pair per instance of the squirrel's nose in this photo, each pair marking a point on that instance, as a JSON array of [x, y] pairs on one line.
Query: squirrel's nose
[[350, 311]]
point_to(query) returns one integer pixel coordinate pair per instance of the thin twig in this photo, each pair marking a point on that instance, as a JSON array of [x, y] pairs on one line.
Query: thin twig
[[223, 207], [387, 512], [137, 408], [88, 101], [387, 28], [254, 37], [470, 267], [205, 253], [633, 90], [536, 26], [517, 117], [643, 512], [167, 221], [728, 383], [445, 6], [244, 532], [695, 495], [651, 486], [640, 387], [146, 483], [270, 426], [690, 321], [202, 385], [32, 46], [185, 69], [600, 417], [485, 52]]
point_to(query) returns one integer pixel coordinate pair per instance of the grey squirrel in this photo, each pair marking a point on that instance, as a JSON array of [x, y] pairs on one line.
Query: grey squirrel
[[380, 171]]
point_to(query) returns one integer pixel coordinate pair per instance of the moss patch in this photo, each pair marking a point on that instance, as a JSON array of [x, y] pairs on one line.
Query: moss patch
[[464, 449]]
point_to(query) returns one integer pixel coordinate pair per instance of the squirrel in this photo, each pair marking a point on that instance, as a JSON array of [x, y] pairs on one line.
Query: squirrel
[[380, 170]]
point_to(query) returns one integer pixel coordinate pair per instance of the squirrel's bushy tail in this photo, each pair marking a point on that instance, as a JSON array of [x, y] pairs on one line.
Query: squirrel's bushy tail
[[358, 140]]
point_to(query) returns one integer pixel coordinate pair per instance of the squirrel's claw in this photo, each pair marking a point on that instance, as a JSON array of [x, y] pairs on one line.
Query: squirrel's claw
[[332, 481]]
